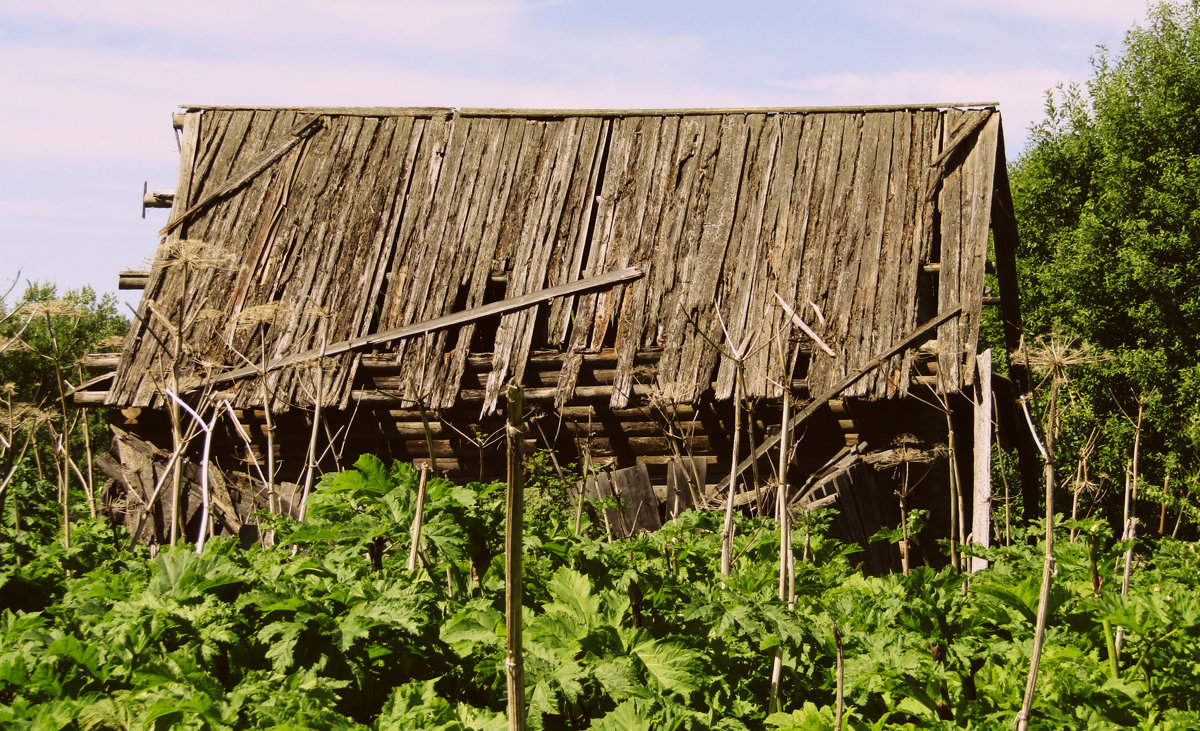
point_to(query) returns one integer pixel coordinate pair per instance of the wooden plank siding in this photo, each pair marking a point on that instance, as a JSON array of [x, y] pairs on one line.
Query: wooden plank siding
[[377, 221]]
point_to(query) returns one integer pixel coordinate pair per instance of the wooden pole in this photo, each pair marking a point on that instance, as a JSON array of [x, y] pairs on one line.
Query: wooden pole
[[514, 666], [981, 509]]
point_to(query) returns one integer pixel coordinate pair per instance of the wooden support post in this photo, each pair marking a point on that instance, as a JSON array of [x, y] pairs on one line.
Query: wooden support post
[[514, 664], [981, 508]]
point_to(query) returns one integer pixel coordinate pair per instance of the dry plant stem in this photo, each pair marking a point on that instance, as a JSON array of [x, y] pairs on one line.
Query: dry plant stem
[[514, 663], [417, 519], [56, 357], [955, 519], [587, 464], [310, 469], [1039, 635], [1162, 513], [1081, 475], [727, 530], [841, 677], [177, 440], [272, 496], [204, 454], [1131, 521], [90, 461], [237, 427], [905, 567], [1178, 520], [16, 463], [429, 435], [785, 545]]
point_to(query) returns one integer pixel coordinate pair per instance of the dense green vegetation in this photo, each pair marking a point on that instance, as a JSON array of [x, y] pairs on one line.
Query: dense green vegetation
[[620, 635], [1108, 200], [635, 634]]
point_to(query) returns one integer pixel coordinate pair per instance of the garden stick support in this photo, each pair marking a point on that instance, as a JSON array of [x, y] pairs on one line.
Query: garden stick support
[[514, 663]]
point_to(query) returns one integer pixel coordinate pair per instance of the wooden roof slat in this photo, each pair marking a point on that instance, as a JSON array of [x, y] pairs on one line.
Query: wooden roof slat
[[388, 217]]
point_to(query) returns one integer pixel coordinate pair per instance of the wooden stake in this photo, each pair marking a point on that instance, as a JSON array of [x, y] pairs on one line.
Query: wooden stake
[[514, 666], [981, 509]]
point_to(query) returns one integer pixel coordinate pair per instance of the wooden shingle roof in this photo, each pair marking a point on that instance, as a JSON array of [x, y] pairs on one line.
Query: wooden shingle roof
[[297, 227]]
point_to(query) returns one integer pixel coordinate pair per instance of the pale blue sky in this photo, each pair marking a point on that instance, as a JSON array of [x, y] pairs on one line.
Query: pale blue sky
[[87, 87]]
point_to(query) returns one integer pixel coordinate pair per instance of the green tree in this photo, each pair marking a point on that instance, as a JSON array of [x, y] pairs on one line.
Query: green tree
[[1108, 197], [44, 439]]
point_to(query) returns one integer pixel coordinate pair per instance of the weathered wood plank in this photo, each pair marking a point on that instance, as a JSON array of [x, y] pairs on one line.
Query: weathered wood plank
[[476, 313]]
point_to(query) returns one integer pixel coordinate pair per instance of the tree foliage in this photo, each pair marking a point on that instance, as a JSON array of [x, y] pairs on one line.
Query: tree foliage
[[1108, 198]]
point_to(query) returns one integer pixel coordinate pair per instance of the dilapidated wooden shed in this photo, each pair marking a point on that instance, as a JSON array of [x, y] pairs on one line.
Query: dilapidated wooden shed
[[368, 280]]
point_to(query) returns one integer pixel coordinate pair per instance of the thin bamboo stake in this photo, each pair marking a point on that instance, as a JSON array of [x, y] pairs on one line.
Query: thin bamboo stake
[[514, 664], [417, 520]]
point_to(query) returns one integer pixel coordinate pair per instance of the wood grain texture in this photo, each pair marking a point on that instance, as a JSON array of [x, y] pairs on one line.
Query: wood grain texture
[[379, 219]]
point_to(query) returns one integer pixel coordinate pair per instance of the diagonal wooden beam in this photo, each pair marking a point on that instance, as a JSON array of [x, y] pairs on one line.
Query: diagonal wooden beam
[[294, 137], [438, 323], [850, 380]]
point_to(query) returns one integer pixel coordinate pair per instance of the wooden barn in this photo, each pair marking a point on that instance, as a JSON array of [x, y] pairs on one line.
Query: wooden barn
[[338, 281]]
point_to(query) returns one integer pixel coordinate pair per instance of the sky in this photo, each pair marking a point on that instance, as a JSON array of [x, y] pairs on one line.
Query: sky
[[87, 87]]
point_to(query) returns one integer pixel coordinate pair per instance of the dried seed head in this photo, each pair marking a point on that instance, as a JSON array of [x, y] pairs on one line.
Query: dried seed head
[[192, 255], [257, 315], [112, 342], [55, 308], [1054, 353]]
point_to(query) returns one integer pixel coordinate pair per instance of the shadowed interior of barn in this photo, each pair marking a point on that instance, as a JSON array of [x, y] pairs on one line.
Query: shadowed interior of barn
[[365, 266]]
